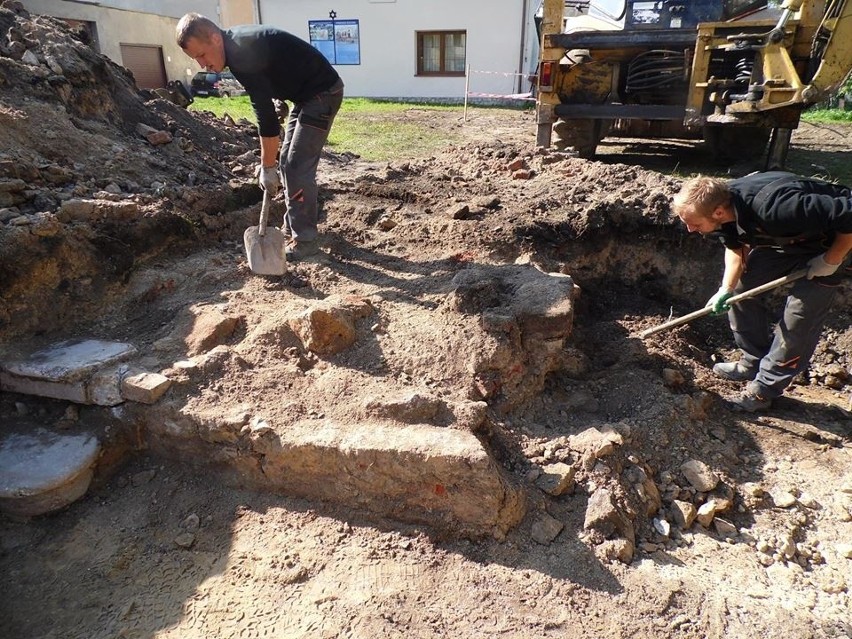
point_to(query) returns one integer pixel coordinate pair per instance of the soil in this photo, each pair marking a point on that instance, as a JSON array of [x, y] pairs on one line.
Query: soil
[[165, 546]]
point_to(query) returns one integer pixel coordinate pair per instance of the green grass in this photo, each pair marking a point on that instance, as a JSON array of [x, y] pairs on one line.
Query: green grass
[[371, 129], [827, 115]]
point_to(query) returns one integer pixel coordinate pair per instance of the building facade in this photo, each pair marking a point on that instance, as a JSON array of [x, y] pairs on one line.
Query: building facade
[[382, 48], [418, 48]]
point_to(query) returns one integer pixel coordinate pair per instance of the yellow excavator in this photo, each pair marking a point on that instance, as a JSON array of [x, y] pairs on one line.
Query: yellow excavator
[[736, 72]]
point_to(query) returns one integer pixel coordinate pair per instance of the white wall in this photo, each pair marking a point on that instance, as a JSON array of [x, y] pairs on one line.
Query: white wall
[[388, 42], [173, 8], [115, 26]]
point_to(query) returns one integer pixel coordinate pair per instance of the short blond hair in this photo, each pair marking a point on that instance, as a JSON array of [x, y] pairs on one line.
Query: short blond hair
[[700, 196], [195, 25]]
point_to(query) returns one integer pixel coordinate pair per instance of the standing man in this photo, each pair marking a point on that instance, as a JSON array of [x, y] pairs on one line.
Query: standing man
[[273, 64], [772, 224]]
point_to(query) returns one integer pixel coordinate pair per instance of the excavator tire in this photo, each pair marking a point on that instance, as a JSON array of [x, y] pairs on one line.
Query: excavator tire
[[581, 135], [728, 143]]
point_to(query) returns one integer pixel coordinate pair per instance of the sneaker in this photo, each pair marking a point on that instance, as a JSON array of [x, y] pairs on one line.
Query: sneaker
[[751, 402], [297, 251], [734, 371]]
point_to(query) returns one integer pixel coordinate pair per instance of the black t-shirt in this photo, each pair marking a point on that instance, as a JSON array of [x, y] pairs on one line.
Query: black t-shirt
[[271, 63]]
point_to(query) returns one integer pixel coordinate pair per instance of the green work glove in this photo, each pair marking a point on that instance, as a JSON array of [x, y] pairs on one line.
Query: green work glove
[[719, 301]]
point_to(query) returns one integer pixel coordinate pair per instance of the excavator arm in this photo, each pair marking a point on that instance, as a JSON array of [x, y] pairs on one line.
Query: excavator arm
[[833, 49]]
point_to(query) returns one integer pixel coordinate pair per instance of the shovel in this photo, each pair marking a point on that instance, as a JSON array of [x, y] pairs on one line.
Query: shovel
[[757, 290], [265, 246]]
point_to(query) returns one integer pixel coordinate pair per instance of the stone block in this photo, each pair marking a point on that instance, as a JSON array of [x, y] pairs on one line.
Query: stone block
[[104, 387], [427, 474], [69, 391], [145, 388]]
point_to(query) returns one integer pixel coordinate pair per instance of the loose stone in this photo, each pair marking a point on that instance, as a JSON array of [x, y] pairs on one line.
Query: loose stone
[[699, 475]]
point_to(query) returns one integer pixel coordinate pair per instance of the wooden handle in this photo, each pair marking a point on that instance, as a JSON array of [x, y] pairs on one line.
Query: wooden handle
[[264, 213], [757, 290]]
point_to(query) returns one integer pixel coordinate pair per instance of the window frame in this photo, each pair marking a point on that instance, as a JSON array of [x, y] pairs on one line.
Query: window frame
[[443, 73]]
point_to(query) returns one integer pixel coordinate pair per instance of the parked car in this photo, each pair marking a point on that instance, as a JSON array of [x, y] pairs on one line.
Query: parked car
[[216, 85]]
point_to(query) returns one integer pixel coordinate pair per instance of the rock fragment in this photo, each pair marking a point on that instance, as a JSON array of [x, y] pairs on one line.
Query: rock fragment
[[724, 527], [673, 378], [596, 442], [783, 498], [556, 479], [699, 475], [545, 529], [684, 513], [411, 407], [185, 540], [604, 516], [209, 329], [706, 513]]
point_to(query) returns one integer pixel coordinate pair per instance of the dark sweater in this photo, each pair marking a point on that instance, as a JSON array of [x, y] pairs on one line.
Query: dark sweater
[[271, 63], [791, 211]]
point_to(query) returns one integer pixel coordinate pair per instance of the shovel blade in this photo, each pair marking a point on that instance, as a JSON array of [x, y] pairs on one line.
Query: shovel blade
[[265, 252]]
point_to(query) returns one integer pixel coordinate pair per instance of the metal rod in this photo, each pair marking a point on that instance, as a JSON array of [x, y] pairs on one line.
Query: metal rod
[[757, 290], [466, 91]]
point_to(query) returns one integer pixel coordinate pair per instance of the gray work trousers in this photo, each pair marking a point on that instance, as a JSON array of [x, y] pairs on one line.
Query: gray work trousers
[[779, 355], [306, 134]]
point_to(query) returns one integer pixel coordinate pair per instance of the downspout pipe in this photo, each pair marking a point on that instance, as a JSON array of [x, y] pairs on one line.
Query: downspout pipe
[[521, 70]]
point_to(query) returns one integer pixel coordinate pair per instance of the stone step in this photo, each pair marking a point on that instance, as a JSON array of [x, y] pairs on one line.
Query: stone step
[[415, 473], [83, 371], [42, 471]]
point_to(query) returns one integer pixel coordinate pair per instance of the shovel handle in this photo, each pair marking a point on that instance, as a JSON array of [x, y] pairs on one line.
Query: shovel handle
[[264, 213], [757, 290]]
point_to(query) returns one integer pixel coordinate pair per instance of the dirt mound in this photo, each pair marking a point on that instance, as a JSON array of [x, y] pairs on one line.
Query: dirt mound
[[81, 188]]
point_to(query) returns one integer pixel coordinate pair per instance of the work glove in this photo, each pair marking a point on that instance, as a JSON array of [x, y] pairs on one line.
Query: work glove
[[818, 267], [269, 180], [718, 301]]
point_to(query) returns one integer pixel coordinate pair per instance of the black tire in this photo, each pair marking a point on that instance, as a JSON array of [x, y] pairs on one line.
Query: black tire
[[580, 135], [728, 143], [225, 94]]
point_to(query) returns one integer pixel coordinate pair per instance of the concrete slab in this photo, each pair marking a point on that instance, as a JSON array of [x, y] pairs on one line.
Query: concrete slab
[[69, 361], [82, 371], [42, 471]]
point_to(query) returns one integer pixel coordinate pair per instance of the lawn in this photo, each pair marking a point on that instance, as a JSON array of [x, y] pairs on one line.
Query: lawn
[[364, 127]]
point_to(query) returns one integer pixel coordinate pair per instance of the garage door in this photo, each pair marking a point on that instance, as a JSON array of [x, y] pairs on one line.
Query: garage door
[[146, 64]]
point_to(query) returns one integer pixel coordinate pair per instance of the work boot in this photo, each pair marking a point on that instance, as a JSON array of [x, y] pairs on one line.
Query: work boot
[[297, 251], [734, 371], [751, 402]]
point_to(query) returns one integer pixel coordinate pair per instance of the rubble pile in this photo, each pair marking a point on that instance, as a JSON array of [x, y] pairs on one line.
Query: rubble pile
[[95, 174]]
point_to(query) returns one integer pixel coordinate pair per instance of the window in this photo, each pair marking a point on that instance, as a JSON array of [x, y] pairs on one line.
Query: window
[[441, 52]]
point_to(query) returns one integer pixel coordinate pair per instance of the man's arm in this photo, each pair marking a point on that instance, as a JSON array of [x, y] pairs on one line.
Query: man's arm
[[730, 279], [733, 268], [839, 249], [269, 150]]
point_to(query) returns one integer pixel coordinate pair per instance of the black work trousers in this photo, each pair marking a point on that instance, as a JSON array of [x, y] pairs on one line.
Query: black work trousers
[[778, 354]]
